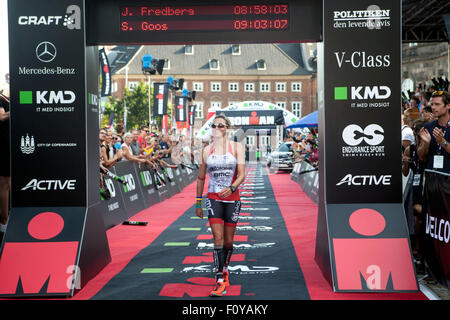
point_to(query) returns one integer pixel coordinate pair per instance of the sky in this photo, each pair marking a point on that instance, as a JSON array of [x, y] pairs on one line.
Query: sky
[[4, 52]]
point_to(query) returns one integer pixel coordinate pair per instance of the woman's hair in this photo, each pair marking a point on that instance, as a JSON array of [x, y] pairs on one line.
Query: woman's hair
[[126, 135], [224, 117]]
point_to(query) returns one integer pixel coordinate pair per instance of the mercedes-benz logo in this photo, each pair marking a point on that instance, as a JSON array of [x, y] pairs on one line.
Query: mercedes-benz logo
[[45, 51]]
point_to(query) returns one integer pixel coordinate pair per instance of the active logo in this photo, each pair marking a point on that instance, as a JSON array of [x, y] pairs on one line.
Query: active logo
[[365, 180], [353, 135], [27, 145], [360, 59], [361, 93], [47, 185], [71, 20]]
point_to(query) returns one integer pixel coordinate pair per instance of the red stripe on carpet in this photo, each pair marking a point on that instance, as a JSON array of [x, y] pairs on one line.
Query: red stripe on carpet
[[125, 241], [300, 216]]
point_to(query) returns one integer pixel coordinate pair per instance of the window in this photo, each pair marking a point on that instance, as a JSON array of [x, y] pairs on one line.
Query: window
[[264, 87], [296, 87], [281, 104], [199, 110], [189, 49], [261, 64], [297, 108], [249, 87], [166, 64], [216, 104], [216, 86], [132, 85], [233, 87], [280, 86], [235, 50], [114, 87], [197, 86], [232, 102], [214, 64]]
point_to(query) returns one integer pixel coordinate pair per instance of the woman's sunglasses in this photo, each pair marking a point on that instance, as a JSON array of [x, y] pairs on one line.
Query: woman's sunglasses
[[220, 125]]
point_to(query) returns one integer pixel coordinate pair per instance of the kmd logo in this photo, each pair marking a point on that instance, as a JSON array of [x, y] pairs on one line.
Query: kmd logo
[[47, 97], [27, 144], [72, 19], [353, 135], [361, 93]]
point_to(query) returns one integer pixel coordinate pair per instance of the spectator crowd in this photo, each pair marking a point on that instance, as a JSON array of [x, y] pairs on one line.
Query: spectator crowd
[[426, 162]]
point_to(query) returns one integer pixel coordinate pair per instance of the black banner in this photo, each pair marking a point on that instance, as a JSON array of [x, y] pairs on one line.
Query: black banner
[[192, 114], [147, 183], [360, 182], [132, 193], [106, 74], [160, 98], [180, 107]]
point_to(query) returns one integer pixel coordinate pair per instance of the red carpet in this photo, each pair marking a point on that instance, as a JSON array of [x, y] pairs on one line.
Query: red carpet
[[300, 215], [126, 241]]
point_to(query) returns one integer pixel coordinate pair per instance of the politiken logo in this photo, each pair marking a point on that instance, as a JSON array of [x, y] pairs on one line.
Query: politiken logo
[[365, 180], [372, 18], [71, 20], [47, 185], [46, 51], [371, 137], [27, 144], [361, 59], [363, 93]]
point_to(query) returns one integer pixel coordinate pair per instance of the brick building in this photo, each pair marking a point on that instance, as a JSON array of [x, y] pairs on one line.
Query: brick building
[[283, 74]]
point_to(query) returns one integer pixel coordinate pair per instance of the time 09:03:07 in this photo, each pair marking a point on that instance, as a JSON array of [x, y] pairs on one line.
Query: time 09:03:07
[[260, 24]]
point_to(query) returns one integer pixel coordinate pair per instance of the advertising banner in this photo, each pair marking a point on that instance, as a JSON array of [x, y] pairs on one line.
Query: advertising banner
[[106, 73], [54, 108], [160, 98], [113, 209], [192, 115], [131, 192], [181, 111], [359, 120], [147, 184]]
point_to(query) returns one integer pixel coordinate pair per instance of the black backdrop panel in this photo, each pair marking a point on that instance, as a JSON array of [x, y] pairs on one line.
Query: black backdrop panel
[[301, 23]]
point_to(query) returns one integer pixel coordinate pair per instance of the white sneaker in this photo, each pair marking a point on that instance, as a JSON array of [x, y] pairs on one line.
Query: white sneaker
[[3, 227]]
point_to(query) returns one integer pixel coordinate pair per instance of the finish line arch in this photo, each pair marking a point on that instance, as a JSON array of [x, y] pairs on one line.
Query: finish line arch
[[359, 52], [289, 118]]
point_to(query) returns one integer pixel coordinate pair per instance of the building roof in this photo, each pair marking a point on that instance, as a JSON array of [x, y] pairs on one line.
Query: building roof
[[280, 59]]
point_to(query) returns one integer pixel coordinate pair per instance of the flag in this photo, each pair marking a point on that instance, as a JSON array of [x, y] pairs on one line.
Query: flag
[[106, 74], [160, 98]]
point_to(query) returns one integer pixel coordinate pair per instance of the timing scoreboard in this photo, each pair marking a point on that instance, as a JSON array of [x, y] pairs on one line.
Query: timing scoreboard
[[146, 22]]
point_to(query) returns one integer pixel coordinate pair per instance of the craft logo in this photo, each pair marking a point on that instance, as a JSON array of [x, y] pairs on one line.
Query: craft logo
[[353, 135], [50, 99], [71, 20], [361, 93], [47, 185], [27, 145], [365, 180], [237, 269], [373, 18], [360, 59]]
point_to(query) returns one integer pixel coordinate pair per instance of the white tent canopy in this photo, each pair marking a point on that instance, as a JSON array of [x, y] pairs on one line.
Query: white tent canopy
[[289, 118]]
